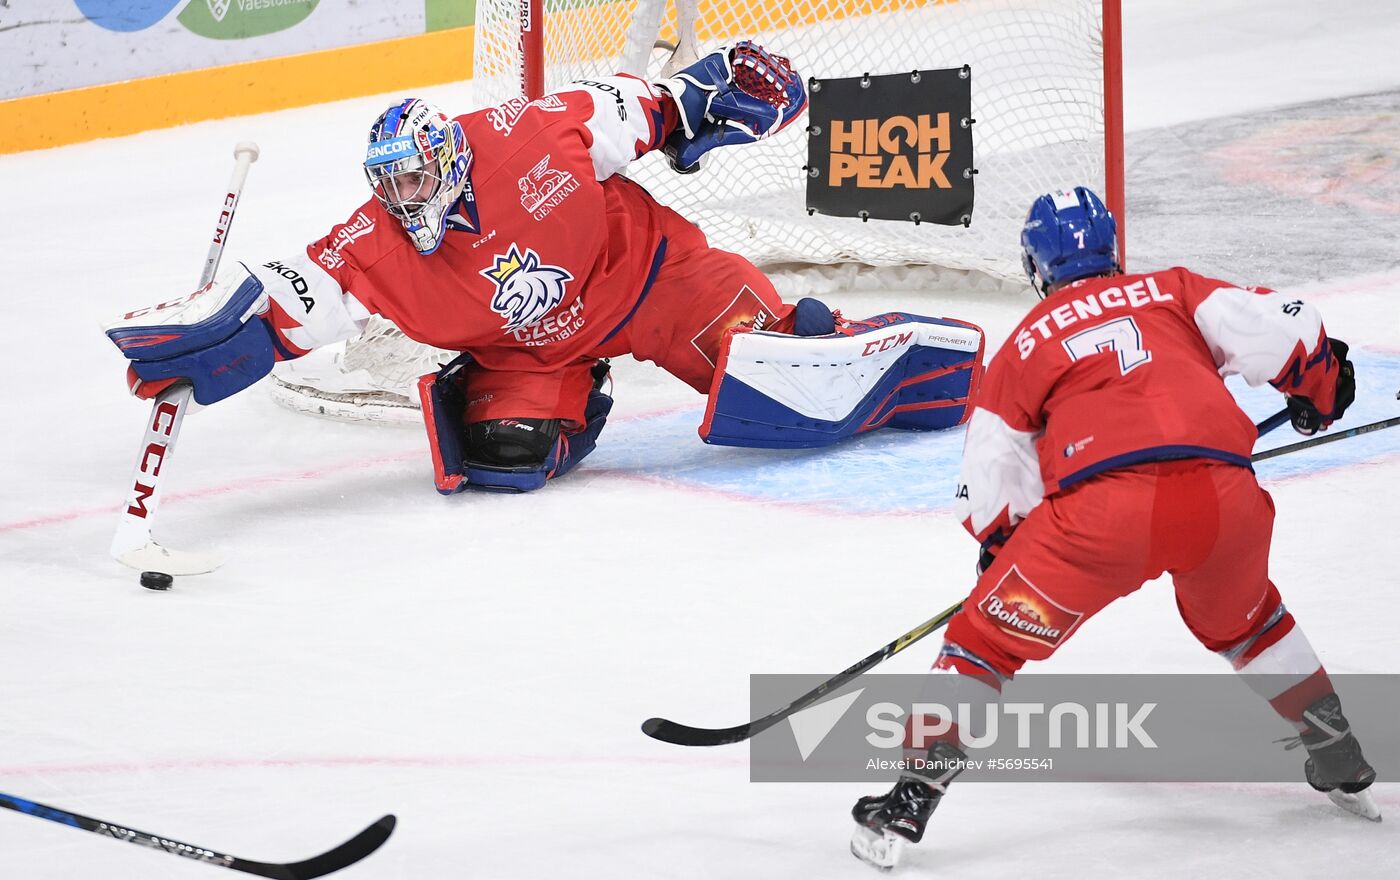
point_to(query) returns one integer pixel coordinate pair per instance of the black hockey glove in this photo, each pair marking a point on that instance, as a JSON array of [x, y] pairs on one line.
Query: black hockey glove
[[1306, 418], [990, 548]]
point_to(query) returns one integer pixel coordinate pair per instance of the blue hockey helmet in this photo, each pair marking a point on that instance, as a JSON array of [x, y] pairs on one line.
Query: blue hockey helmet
[[1068, 235], [418, 163]]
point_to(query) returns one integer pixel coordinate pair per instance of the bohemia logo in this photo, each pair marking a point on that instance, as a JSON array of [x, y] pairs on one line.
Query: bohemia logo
[[544, 188], [868, 152], [526, 289], [1017, 607]]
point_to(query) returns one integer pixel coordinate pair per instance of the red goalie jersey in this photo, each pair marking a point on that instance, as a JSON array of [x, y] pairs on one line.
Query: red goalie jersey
[[1109, 372], [545, 257]]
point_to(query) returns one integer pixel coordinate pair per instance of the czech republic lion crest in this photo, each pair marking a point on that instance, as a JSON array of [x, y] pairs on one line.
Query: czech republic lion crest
[[526, 289]]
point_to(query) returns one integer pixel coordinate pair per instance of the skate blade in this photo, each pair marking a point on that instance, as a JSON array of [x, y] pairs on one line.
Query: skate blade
[[1362, 804], [879, 849]]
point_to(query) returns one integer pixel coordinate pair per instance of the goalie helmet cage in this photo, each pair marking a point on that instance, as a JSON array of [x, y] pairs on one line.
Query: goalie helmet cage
[[1046, 97]]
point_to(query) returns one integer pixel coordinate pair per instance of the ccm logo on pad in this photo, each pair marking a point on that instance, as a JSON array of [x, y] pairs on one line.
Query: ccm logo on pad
[[894, 340]]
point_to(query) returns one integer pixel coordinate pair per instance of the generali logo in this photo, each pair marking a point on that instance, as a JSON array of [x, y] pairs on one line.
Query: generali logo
[[1016, 606], [900, 151], [543, 188]]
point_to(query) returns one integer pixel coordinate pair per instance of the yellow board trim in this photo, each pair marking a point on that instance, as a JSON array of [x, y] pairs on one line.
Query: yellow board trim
[[55, 119], [39, 122]]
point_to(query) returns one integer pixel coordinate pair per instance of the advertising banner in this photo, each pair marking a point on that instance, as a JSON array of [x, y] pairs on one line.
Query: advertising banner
[[53, 45]]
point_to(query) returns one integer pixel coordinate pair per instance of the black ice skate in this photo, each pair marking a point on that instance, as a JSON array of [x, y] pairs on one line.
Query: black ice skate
[[1335, 764], [884, 823]]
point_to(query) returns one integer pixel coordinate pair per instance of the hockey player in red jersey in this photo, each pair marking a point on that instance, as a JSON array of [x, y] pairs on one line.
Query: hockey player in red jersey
[[1107, 406], [508, 234]]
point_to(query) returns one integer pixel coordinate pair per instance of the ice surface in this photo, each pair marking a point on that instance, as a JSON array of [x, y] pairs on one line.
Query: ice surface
[[480, 664]]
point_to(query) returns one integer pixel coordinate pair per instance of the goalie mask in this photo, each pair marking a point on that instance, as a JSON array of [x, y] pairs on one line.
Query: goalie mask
[[418, 164]]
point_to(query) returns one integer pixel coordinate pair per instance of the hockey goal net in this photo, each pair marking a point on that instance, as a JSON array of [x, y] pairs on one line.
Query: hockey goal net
[[1045, 98]]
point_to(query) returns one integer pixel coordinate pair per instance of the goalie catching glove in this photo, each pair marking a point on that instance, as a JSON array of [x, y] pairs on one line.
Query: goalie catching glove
[[731, 96], [214, 339]]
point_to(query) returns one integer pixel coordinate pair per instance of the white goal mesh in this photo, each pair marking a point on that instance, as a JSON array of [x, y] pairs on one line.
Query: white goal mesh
[[1037, 97]]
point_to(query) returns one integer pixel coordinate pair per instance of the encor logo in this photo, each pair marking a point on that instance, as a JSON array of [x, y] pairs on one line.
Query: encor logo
[[900, 151]]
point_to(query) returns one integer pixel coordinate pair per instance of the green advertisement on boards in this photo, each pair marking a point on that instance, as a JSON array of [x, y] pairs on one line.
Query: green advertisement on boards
[[242, 19]]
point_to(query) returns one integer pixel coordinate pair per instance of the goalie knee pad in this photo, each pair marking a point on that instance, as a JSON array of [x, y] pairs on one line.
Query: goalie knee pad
[[511, 443], [501, 455], [894, 370], [511, 455]]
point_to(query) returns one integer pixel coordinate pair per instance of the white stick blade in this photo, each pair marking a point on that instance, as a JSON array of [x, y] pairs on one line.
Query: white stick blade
[[153, 557]]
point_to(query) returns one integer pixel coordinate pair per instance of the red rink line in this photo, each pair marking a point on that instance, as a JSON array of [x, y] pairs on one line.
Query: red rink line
[[212, 491], [819, 508], [259, 482]]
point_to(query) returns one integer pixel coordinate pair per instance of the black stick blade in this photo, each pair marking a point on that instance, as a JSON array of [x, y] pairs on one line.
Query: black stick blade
[[683, 735], [328, 862]]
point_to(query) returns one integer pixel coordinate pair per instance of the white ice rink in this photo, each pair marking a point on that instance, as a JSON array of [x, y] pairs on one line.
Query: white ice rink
[[479, 665]]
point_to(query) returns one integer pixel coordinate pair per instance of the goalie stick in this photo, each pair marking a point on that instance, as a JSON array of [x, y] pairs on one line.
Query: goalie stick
[[348, 853], [685, 735], [132, 545]]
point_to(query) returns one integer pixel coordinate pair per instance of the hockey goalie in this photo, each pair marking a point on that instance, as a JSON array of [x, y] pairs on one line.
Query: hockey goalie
[[509, 235]]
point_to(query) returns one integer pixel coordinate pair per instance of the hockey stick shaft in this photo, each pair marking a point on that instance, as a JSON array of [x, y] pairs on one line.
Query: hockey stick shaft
[[346, 854], [1273, 421], [683, 735], [1329, 438], [132, 543]]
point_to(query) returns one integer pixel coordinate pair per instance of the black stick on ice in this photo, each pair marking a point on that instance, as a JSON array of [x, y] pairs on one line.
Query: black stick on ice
[[348, 853], [683, 735], [1327, 438]]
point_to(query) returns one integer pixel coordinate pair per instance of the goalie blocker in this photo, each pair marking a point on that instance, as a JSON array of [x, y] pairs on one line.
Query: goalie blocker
[[217, 339], [894, 370]]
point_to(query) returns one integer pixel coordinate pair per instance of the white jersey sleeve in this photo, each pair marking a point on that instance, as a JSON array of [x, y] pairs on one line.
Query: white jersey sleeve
[[309, 308], [1000, 481], [628, 119], [1257, 334]]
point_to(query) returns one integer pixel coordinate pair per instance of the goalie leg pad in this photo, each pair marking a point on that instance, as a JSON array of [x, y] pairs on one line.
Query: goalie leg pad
[[501, 455], [444, 402], [894, 370]]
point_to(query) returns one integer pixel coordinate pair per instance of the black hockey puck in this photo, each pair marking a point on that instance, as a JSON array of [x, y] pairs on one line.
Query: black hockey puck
[[156, 580]]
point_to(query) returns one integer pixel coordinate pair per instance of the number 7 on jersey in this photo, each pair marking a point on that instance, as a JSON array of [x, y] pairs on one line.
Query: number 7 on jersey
[[1120, 335]]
